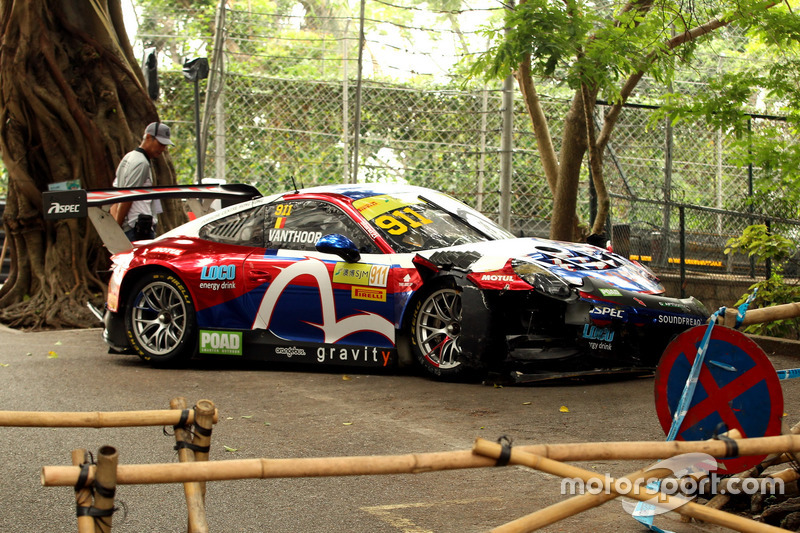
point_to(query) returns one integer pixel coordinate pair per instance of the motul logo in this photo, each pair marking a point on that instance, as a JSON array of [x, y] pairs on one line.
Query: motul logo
[[57, 208], [496, 277]]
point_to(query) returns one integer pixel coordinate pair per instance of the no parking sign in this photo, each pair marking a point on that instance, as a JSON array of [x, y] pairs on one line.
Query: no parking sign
[[737, 388]]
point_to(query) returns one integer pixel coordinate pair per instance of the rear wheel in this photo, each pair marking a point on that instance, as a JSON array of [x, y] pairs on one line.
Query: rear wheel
[[435, 332], [160, 319]]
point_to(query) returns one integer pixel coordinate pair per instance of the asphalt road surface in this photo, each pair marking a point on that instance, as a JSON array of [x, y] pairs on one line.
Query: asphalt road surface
[[294, 413]]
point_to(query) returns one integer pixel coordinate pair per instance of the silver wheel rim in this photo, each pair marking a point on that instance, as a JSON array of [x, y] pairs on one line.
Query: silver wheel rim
[[438, 329], [159, 318]]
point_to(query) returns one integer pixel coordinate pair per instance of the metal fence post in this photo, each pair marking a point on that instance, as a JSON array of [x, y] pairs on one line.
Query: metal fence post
[[682, 221], [506, 149]]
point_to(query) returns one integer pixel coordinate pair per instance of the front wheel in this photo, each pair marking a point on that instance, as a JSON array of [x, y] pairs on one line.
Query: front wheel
[[160, 319], [435, 332]]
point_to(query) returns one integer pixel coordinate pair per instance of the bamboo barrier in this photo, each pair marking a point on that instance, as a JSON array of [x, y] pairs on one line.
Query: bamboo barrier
[[191, 489], [95, 419], [54, 476], [759, 316], [721, 499], [577, 504], [83, 495], [105, 486], [584, 502], [700, 512], [203, 427]]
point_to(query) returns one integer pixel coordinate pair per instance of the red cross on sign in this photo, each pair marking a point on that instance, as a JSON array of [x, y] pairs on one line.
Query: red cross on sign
[[738, 388]]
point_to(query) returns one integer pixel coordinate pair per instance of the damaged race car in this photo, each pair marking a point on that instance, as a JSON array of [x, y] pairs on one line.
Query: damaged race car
[[380, 275]]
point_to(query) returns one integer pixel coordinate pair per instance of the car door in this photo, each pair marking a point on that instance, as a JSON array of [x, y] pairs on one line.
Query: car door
[[215, 271], [344, 311]]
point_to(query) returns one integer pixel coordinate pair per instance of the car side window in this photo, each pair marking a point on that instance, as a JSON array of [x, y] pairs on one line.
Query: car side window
[[245, 228], [298, 225]]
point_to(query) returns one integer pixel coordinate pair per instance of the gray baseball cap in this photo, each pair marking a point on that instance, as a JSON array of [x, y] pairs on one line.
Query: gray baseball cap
[[160, 131]]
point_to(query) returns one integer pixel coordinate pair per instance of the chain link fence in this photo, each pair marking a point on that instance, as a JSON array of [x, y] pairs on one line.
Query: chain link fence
[[292, 107]]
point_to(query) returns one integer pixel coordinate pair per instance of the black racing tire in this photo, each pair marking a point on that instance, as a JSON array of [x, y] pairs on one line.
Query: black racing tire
[[434, 331], [160, 319]]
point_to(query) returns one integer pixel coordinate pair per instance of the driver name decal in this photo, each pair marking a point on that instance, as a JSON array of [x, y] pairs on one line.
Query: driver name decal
[[287, 236]]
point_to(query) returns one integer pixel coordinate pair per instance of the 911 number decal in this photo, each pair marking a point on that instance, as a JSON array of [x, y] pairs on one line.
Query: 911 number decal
[[391, 223], [283, 210]]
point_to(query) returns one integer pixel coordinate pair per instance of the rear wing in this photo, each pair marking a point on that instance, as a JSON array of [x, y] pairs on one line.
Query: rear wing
[[80, 203]]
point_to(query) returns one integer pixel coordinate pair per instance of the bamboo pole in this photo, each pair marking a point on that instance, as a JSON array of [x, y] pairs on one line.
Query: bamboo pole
[[191, 489], [577, 504], [105, 486], [202, 434], [759, 316], [83, 495], [94, 419], [788, 475], [53, 476], [680, 505], [721, 499]]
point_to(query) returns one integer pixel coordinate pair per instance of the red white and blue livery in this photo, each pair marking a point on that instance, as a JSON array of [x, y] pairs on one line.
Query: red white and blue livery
[[380, 275]]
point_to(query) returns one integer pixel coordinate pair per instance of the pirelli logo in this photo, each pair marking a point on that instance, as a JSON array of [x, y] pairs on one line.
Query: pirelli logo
[[368, 293]]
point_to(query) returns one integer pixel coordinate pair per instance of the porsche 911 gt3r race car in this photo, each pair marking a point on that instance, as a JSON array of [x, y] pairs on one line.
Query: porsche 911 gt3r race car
[[379, 275]]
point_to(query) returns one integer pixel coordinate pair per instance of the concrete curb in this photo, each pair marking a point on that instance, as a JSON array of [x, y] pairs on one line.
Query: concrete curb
[[777, 346]]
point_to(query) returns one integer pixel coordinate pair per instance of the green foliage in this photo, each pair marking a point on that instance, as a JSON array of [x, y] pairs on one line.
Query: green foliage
[[774, 291], [3, 181], [759, 243]]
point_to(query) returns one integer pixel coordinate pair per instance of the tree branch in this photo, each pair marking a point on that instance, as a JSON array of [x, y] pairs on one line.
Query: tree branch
[[544, 143]]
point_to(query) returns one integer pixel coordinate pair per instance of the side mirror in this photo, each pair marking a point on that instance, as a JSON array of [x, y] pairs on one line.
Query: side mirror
[[340, 245]]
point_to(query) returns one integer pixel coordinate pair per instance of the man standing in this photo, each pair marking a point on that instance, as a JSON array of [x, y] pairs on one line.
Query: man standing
[[138, 219]]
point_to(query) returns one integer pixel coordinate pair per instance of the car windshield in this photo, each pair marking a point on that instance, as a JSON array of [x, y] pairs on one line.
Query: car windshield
[[411, 223]]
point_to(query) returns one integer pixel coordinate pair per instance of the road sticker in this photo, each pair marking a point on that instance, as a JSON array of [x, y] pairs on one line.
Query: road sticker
[[738, 388]]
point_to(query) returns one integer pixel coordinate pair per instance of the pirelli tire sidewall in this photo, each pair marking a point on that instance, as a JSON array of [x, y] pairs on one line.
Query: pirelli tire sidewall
[[470, 364], [182, 349]]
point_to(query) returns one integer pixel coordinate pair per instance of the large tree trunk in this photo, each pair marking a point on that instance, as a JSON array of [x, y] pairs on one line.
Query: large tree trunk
[[564, 219], [72, 103]]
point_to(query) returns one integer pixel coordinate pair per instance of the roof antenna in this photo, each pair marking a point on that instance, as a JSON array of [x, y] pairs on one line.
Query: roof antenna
[[294, 185]]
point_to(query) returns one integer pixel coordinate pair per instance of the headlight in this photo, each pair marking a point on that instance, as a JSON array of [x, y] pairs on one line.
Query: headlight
[[542, 280], [648, 272]]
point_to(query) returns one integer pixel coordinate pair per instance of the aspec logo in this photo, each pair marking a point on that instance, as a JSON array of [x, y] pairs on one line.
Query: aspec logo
[[607, 312], [218, 272], [60, 209]]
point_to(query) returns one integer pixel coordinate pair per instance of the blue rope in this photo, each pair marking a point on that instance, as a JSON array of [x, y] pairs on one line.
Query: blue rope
[[644, 512], [743, 309]]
